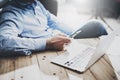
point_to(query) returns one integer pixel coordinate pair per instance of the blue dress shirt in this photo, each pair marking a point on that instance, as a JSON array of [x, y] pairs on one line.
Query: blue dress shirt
[[25, 27]]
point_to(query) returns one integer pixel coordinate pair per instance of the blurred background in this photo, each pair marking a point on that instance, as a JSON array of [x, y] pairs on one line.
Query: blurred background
[[76, 12], [108, 8]]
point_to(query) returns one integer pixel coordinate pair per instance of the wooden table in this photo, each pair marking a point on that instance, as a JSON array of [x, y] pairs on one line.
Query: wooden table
[[33, 67]]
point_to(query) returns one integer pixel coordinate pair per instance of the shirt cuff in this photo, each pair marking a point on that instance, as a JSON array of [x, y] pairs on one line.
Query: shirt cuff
[[41, 44]]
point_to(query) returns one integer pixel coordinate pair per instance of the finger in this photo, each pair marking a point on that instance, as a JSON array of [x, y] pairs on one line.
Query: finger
[[67, 40]]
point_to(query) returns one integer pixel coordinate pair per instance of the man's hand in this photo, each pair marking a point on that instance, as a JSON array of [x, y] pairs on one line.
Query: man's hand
[[57, 42]]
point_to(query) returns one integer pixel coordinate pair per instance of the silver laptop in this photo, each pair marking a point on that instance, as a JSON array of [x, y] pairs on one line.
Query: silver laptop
[[80, 57]]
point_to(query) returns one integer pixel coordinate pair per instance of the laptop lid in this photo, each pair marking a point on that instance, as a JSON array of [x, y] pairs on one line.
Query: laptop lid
[[103, 45]]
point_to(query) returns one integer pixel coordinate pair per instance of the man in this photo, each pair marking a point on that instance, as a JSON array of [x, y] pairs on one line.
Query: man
[[26, 26]]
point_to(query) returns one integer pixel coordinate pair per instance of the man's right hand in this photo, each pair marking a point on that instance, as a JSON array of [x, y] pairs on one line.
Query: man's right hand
[[57, 42]]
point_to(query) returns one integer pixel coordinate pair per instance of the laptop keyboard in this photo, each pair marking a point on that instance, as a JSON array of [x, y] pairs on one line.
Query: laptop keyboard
[[81, 60], [78, 62]]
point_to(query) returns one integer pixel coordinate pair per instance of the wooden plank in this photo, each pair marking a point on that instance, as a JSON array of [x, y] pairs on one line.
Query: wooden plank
[[20, 63], [107, 59], [26, 70], [102, 71], [113, 23], [86, 75], [115, 59], [7, 69], [48, 68]]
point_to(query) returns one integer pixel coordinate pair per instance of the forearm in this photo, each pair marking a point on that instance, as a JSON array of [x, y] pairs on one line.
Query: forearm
[[21, 45]]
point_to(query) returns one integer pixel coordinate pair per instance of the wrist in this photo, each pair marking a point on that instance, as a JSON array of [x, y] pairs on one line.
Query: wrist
[[48, 44]]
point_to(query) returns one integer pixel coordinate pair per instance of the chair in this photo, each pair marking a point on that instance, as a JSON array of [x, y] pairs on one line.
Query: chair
[[3, 2], [50, 5]]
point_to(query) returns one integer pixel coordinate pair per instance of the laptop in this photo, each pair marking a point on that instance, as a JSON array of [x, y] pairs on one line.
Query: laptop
[[80, 57]]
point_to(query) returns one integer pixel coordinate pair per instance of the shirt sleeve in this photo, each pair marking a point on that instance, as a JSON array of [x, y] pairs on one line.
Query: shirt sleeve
[[10, 42], [54, 23]]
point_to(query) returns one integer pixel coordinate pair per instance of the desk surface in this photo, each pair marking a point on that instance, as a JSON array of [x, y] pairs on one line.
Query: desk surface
[[18, 68]]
